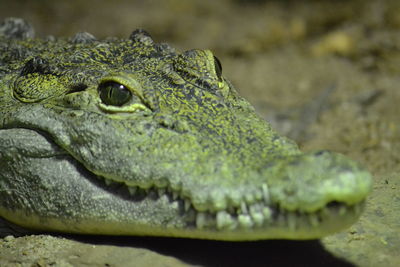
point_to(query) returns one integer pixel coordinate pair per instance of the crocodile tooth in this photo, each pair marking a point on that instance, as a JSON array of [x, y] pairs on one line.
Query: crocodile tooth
[[243, 208], [174, 205], [201, 220], [161, 191], [265, 192], [313, 219], [187, 204], [165, 199], [256, 215], [267, 212], [258, 195], [224, 220], [258, 218], [107, 181], [249, 197], [174, 195], [235, 198], [245, 221], [132, 190], [291, 220], [217, 200]]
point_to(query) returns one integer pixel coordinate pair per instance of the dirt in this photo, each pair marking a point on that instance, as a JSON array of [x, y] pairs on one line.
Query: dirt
[[325, 73]]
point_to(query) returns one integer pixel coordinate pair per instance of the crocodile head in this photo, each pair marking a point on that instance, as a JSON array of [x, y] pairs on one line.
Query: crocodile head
[[130, 137]]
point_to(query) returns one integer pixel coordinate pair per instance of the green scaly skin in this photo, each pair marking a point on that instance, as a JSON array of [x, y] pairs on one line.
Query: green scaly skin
[[129, 137]]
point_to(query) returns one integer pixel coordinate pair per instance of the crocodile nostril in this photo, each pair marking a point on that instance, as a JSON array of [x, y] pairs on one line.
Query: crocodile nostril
[[36, 65]]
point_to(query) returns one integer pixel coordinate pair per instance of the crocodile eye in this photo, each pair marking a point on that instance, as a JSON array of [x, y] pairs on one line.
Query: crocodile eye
[[218, 67], [114, 94]]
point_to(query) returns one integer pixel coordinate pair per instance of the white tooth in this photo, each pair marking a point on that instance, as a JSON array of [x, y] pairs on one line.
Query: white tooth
[[107, 181], [217, 200], [161, 191], [245, 221], [258, 195], [313, 219], [201, 220], [243, 208], [187, 204], [291, 219], [258, 218], [267, 212], [174, 205], [225, 221], [342, 210], [164, 199], [235, 198], [174, 195], [256, 215], [265, 192], [132, 190], [249, 198]]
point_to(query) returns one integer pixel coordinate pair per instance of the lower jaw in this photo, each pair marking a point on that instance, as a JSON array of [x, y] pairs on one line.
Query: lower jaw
[[284, 226], [241, 224]]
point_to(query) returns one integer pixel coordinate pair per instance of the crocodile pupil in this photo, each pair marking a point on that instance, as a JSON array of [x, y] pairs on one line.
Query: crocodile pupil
[[114, 94]]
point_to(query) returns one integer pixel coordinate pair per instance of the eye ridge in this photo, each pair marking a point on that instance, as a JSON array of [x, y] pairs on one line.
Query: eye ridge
[[114, 94], [79, 87]]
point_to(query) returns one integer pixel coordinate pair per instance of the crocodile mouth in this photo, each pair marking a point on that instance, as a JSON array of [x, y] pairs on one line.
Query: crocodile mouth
[[83, 202], [253, 218]]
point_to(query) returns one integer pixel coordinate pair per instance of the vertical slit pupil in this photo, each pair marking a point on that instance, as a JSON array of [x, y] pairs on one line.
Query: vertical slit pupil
[[113, 93]]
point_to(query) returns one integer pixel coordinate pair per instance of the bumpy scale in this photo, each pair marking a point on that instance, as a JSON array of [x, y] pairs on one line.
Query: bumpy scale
[[130, 137]]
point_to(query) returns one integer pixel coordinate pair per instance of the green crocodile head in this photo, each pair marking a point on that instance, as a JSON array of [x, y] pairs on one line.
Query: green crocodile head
[[129, 137]]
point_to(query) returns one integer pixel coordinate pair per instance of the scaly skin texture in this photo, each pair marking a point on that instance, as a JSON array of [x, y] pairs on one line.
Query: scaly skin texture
[[129, 137]]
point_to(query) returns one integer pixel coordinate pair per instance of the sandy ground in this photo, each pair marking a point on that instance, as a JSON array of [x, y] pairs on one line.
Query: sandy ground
[[325, 73]]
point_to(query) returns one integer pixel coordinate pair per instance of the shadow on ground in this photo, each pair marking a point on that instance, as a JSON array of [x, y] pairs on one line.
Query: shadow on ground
[[217, 253]]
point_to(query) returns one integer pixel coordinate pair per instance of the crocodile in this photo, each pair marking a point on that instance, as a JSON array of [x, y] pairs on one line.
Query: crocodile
[[132, 137]]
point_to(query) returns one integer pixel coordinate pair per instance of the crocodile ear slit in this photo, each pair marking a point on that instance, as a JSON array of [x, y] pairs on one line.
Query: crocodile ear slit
[[141, 36], [218, 68]]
